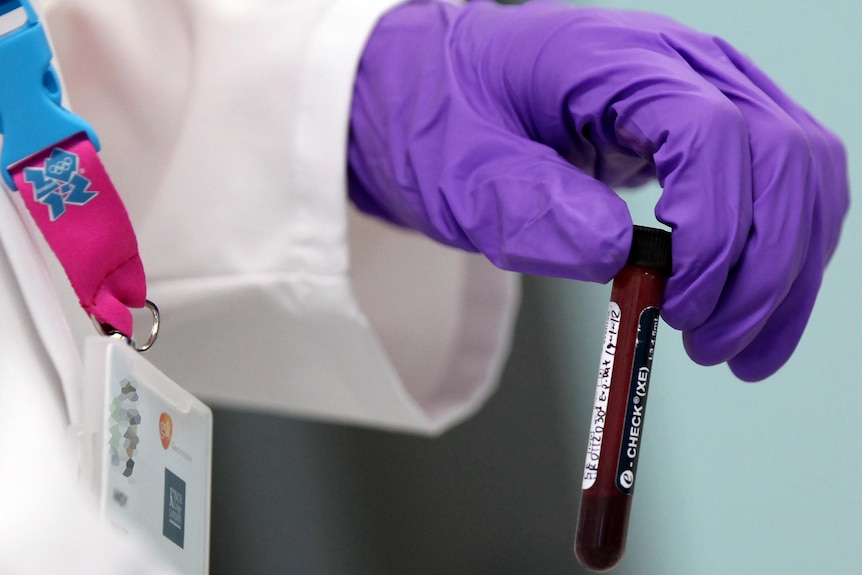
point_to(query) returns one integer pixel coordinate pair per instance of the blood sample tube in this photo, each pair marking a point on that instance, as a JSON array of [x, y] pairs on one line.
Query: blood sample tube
[[616, 428]]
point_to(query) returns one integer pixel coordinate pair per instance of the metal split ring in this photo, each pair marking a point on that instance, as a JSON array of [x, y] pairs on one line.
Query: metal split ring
[[110, 331]]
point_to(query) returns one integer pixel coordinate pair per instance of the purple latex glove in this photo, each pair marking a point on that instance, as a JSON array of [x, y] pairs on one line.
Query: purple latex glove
[[502, 130]]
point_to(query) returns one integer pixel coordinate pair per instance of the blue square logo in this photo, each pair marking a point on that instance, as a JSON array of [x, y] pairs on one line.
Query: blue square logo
[[174, 521]]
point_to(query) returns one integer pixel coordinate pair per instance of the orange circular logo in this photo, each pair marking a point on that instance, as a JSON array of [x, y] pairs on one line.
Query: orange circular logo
[[166, 429]]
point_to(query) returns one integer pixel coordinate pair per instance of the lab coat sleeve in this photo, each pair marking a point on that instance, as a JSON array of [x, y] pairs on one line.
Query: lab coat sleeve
[[224, 125]]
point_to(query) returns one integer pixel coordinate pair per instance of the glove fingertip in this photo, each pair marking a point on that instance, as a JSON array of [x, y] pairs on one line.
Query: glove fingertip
[[751, 372], [700, 354]]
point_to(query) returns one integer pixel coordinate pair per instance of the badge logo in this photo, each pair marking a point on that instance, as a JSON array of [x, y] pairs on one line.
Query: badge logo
[[59, 183], [166, 429], [174, 516]]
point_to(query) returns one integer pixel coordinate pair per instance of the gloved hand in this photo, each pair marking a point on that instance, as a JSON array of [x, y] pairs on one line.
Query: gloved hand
[[502, 130]]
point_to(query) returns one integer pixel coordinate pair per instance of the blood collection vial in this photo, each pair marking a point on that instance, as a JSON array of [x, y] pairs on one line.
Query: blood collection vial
[[616, 427]]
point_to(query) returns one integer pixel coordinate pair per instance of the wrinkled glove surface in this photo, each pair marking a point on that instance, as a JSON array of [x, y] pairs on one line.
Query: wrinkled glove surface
[[503, 129]]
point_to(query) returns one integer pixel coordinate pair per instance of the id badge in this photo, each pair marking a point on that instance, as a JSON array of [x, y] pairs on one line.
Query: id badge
[[150, 455]]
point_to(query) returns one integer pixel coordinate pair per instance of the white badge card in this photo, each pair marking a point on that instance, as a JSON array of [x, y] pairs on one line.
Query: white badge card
[[150, 454]]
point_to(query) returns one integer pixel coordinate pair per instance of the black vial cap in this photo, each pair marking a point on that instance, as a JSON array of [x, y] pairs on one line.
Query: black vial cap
[[651, 248]]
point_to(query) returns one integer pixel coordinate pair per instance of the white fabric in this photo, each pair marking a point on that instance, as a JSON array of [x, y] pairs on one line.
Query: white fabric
[[223, 124], [47, 524]]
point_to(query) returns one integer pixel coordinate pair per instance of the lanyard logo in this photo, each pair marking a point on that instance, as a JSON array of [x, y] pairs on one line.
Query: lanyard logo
[[59, 183]]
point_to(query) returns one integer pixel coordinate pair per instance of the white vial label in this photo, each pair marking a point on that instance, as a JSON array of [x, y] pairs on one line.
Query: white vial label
[[603, 392]]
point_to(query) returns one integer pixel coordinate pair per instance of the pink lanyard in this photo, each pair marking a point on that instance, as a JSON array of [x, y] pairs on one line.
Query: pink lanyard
[[50, 156]]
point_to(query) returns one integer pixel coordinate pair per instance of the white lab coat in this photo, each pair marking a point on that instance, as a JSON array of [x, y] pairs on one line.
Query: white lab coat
[[223, 124]]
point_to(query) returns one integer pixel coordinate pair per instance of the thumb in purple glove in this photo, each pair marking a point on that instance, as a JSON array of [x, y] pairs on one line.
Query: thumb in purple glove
[[423, 155], [503, 130]]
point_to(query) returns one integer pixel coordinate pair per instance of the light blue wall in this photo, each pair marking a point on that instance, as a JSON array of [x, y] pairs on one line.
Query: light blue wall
[[760, 478]]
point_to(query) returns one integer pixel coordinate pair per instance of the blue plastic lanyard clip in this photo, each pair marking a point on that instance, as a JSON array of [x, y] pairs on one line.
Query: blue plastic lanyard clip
[[31, 116]]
